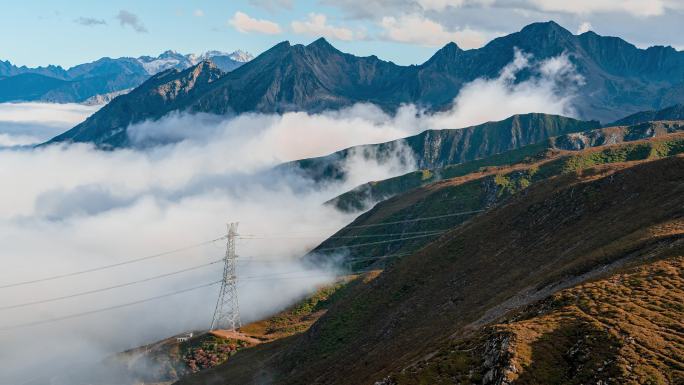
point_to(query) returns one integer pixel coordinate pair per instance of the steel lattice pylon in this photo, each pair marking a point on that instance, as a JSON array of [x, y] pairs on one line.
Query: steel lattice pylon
[[227, 313]]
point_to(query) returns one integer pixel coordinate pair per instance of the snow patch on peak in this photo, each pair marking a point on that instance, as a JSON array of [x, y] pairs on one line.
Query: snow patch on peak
[[155, 66], [241, 56], [172, 59]]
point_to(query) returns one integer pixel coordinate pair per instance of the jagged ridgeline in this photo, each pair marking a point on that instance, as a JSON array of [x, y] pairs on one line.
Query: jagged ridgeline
[[438, 148], [319, 77], [96, 82], [367, 194]]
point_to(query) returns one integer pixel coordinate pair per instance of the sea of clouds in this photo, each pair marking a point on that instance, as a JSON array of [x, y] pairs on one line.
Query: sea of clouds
[[66, 208]]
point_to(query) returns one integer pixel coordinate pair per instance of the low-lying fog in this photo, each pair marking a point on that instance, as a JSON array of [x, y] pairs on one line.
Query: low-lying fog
[[70, 208]]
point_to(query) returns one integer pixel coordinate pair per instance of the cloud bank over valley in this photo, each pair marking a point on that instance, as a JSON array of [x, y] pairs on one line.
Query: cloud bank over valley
[[72, 207]]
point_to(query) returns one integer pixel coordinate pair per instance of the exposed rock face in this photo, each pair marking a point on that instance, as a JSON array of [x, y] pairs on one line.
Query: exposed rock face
[[437, 148], [613, 135], [497, 360], [364, 196], [104, 98]]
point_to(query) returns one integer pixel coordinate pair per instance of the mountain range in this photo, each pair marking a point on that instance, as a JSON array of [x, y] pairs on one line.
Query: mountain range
[[103, 76], [617, 79]]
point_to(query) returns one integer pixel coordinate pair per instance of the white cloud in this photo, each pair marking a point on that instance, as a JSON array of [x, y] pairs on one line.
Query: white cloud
[[584, 27], [417, 29], [89, 21], [246, 24], [93, 208], [316, 25], [31, 123], [638, 8], [90, 208], [273, 5], [440, 5], [132, 20], [198, 13], [550, 90]]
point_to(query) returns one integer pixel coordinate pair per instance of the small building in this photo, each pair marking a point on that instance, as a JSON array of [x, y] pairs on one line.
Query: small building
[[184, 337]]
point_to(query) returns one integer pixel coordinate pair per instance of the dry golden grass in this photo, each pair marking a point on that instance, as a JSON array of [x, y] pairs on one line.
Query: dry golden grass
[[557, 234]]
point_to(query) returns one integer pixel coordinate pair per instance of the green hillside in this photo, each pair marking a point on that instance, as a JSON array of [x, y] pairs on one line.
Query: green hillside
[[433, 316]]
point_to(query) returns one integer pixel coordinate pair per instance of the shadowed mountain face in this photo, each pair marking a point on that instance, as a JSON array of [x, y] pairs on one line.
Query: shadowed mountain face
[[618, 78], [675, 112], [164, 92], [54, 84]]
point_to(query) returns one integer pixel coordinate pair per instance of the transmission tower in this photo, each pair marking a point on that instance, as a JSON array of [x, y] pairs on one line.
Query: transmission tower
[[227, 313]]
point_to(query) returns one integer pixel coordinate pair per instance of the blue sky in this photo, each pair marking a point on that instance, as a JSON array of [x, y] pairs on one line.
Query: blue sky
[[41, 32]]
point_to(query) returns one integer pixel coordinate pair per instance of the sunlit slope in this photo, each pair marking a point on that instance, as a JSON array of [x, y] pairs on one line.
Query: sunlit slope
[[376, 191], [408, 221], [559, 232], [623, 329], [439, 148]]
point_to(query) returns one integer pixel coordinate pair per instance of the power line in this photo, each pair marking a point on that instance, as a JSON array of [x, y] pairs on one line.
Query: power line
[[415, 219], [377, 242], [355, 245], [76, 315], [252, 278], [54, 299], [343, 236], [99, 268], [272, 235], [270, 260], [108, 288], [378, 257]]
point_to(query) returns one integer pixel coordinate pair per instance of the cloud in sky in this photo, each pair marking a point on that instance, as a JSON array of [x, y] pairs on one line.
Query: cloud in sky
[[638, 8], [132, 20], [89, 21], [376, 8], [198, 13], [439, 5], [246, 24], [316, 25], [417, 29], [584, 27], [273, 5]]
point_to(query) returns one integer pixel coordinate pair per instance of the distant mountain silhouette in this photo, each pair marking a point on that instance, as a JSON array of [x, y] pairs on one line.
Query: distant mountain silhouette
[[103, 76]]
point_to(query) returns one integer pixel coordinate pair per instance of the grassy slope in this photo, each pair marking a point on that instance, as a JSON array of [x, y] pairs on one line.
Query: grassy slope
[[623, 329], [475, 191], [361, 196], [169, 360], [511, 256]]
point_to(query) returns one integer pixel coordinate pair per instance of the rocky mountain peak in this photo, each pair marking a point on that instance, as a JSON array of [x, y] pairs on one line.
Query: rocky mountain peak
[[548, 28], [321, 44], [448, 53]]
